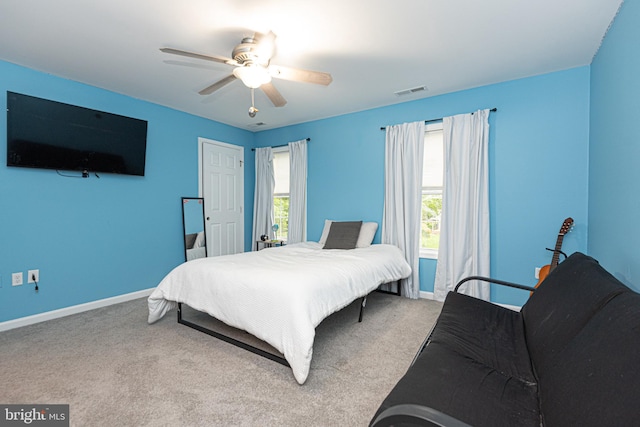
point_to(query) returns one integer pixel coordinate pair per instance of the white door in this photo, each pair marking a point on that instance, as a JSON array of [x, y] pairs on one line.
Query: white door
[[222, 186]]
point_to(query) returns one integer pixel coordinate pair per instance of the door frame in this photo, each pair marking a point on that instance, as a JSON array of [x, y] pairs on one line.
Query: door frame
[[240, 148]]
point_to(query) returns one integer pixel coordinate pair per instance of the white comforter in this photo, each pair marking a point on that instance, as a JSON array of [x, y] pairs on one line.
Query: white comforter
[[279, 294]]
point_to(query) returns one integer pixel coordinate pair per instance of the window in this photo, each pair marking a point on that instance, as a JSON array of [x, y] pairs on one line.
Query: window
[[281, 191], [432, 183]]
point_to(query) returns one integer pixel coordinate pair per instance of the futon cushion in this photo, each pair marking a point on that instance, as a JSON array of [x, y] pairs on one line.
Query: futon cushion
[[563, 304], [466, 389], [343, 235], [485, 332], [595, 378]]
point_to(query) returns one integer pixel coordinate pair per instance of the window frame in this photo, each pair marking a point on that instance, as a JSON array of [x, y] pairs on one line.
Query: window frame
[[430, 253], [276, 150]]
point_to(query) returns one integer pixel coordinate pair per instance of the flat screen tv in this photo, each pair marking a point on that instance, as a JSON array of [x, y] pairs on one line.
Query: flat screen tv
[[51, 135]]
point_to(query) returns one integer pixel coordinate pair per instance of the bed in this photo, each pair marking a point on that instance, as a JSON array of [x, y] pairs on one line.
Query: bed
[[281, 294]]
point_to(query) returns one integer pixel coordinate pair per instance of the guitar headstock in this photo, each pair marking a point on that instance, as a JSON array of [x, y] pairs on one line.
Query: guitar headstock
[[566, 226]]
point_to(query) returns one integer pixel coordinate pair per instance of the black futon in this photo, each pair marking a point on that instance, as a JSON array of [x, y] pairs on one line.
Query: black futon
[[570, 357]]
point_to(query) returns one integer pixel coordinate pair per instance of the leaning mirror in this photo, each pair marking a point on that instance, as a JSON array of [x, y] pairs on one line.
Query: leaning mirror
[[195, 242]]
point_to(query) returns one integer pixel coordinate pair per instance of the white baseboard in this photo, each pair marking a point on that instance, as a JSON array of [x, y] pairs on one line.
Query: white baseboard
[[75, 309], [67, 311], [426, 295]]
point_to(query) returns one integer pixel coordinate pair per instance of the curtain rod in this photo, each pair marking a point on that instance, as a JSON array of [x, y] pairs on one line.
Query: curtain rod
[[278, 146], [437, 120]]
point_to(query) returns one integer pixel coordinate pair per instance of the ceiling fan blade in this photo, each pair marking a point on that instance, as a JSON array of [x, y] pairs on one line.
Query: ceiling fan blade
[[217, 85], [300, 75], [273, 94], [213, 58]]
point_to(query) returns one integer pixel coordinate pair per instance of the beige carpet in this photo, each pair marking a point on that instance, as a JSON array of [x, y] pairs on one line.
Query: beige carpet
[[114, 369]]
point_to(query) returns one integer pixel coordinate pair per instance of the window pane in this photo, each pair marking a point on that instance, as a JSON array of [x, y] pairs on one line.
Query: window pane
[[433, 166], [281, 216], [281, 193], [430, 224], [281, 172], [432, 184]]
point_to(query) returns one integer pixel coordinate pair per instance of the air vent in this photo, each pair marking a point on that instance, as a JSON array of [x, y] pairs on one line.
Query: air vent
[[411, 91]]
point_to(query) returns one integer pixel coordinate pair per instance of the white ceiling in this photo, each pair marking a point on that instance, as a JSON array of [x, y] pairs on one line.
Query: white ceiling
[[372, 48]]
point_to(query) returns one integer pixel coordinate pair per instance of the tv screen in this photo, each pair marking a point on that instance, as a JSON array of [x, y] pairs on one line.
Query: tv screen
[[52, 135]]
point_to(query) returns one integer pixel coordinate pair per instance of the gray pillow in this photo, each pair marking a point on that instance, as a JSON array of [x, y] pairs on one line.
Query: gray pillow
[[190, 240], [343, 235]]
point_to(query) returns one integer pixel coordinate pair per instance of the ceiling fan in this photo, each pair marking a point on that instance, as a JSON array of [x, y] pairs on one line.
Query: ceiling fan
[[252, 61]]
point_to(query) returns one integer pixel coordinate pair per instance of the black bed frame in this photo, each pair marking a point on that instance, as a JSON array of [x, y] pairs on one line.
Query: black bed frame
[[259, 351]]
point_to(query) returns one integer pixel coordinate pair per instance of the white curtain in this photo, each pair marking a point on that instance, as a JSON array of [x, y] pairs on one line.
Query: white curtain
[[298, 192], [464, 229], [404, 150], [263, 197]]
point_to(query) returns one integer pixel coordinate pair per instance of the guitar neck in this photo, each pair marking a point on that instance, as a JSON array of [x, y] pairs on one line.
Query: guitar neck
[[555, 259]]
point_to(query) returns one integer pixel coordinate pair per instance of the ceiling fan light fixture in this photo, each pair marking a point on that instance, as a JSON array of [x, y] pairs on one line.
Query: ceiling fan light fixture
[[252, 76]]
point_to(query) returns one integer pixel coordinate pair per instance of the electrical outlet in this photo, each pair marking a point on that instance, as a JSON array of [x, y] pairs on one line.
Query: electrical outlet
[[33, 276], [16, 279], [537, 273]]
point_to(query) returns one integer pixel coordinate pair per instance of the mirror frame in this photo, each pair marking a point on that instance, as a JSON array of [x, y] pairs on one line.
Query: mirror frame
[[185, 201]]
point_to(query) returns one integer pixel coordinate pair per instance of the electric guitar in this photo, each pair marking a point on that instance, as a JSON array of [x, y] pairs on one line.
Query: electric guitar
[[555, 259]]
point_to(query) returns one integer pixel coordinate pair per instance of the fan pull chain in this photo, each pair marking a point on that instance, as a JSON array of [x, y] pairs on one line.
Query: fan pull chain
[[252, 110]]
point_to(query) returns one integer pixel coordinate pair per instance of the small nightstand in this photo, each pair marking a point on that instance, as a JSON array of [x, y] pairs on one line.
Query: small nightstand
[[268, 244]]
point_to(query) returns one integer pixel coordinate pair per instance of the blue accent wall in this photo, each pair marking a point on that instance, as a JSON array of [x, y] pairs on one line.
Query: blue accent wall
[[97, 238], [538, 167], [614, 161], [561, 144]]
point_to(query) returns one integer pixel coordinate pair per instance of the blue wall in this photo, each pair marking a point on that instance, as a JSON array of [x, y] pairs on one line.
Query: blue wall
[[614, 184], [97, 238], [538, 167]]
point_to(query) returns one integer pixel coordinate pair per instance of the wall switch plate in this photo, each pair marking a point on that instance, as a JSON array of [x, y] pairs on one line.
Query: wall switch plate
[[16, 279], [537, 273], [33, 276]]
